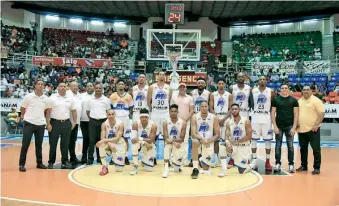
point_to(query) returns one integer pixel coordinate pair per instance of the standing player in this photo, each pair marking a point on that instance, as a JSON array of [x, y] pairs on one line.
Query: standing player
[[122, 103], [139, 94], [220, 102], [174, 135], [143, 136], [238, 138], [200, 94], [243, 97], [204, 125], [158, 100], [111, 143], [261, 120]]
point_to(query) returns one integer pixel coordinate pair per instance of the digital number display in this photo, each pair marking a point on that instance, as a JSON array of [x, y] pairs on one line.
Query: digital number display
[[174, 13]]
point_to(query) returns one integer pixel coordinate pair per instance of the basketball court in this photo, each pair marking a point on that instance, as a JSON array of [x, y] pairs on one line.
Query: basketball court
[[84, 186]]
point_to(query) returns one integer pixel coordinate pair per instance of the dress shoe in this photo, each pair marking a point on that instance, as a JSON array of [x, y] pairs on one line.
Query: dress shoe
[[41, 166], [301, 169], [89, 162], [316, 172], [127, 161], [99, 161], [50, 166], [83, 161], [66, 165], [22, 169]]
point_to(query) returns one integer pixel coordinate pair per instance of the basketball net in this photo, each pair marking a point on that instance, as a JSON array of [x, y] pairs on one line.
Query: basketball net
[[173, 59]]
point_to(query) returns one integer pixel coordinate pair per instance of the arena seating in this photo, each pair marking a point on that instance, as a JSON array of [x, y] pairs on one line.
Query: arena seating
[[16, 38], [300, 44], [336, 42]]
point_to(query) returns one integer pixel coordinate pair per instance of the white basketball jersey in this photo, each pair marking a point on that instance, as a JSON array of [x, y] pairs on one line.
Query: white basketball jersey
[[241, 96], [144, 132], [238, 131], [197, 99], [111, 132], [262, 106], [160, 99], [221, 103], [139, 98], [205, 126], [174, 130]]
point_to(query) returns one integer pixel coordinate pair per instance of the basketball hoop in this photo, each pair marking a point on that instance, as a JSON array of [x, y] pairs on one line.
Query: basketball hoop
[[173, 59]]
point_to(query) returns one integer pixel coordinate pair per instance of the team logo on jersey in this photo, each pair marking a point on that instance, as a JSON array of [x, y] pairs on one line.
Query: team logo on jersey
[[204, 127], [144, 134], [199, 100], [161, 95], [240, 97], [237, 131], [173, 131], [221, 102], [140, 96], [111, 134], [120, 105], [120, 158], [261, 99]]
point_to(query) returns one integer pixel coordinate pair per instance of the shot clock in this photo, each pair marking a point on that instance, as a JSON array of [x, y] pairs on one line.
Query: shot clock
[[174, 13]]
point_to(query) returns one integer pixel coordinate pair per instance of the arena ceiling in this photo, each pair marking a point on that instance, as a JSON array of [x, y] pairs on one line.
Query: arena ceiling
[[221, 12]]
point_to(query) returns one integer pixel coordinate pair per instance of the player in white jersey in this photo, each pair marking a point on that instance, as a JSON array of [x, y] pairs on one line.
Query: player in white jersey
[[261, 120], [242, 95], [237, 145], [158, 100], [139, 95], [220, 102], [205, 131], [112, 144], [174, 136], [200, 94], [143, 136]]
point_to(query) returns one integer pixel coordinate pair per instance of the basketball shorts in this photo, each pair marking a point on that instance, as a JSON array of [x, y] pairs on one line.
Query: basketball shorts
[[178, 154], [118, 157], [148, 155], [159, 119], [241, 155], [262, 130], [206, 153], [127, 126], [223, 131]]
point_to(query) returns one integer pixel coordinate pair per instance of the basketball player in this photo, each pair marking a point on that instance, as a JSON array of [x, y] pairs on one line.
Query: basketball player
[[122, 104], [174, 135], [238, 137], [261, 120], [158, 100], [139, 94], [204, 125], [200, 94], [220, 102], [243, 97], [111, 143], [143, 136]]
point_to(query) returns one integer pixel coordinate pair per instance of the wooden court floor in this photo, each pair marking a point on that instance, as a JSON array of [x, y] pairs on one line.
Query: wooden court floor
[[83, 186]]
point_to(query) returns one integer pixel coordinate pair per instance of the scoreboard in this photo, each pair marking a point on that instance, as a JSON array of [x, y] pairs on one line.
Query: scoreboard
[[174, 14]]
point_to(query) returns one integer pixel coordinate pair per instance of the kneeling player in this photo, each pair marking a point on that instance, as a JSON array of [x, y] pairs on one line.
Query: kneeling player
[[143, 136], [204, 125], [111, 143], [237, 145], [174, 135]]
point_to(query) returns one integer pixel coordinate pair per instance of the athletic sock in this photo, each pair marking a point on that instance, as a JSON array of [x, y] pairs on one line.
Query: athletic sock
[[254, 155], [268, 156], [166, 165], [135, 160], [196, 164], [223, 164]]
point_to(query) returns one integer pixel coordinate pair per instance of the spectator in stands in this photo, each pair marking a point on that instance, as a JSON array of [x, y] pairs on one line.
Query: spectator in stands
[[336, 88], [283, 77], [300, 68], [298, 87], [3, 85], [311, 41], [314, 87], [275, 77], [12, 119]]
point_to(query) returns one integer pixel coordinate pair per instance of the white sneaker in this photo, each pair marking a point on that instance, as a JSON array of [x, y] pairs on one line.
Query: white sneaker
[[206, 172], [148, 169], [291, 169], [215, 165], [254, 165], [277, 168], [165, 174], [222, 173], [134, 172]]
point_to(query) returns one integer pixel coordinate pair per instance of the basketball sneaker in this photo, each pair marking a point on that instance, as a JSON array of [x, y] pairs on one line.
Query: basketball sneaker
[[291, 168], [195, 173], [222, 173], [165, 174], [230, 163], [104, 171], [277, 168], [268, 165], [135, 171], [205, 172]]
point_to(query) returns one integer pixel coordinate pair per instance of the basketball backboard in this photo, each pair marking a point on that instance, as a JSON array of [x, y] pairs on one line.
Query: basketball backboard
[[160, 43]]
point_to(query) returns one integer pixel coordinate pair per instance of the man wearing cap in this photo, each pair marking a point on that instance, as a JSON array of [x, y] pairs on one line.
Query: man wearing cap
[[186, 111]]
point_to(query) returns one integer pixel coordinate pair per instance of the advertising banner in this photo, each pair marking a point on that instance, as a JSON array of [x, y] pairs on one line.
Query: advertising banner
[[67, 61]]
